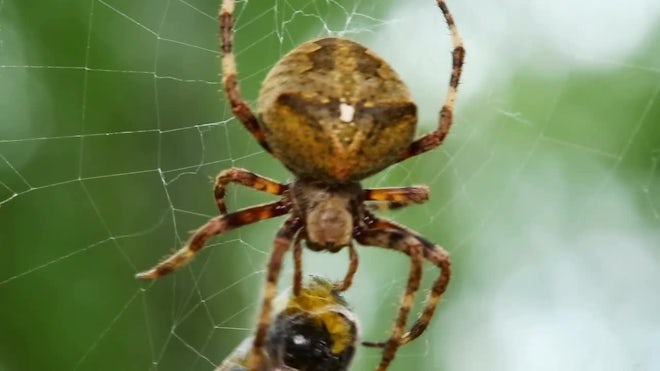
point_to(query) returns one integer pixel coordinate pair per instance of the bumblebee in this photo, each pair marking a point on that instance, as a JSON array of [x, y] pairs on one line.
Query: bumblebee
[[314, 331]]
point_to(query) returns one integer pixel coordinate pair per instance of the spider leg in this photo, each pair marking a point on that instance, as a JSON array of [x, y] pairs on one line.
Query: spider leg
[[410, 245], [297, 265], [352, 268], [245, 178], [438, 257], [213, 227], [239, 107], [280, 247], [435, 138], [395, 198]]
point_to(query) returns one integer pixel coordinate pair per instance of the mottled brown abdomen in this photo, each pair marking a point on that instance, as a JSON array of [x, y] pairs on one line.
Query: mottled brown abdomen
[[332, 110]]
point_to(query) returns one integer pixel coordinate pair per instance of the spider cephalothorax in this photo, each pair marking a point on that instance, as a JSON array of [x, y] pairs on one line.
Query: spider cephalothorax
[[333, 112], [329, 212]]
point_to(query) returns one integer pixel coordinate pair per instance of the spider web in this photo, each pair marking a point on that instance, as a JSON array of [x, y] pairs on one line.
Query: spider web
[[547, 192]]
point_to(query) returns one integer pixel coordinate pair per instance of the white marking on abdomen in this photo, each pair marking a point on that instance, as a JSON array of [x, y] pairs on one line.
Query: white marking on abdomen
[[346, 112]]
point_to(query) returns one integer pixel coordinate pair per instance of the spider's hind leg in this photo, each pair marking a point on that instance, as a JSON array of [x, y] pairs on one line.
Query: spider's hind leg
[[433, 253], [401, 241]]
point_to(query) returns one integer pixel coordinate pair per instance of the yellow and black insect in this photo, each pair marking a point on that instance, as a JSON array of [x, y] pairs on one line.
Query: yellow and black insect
[[333, 112], [315, 331]]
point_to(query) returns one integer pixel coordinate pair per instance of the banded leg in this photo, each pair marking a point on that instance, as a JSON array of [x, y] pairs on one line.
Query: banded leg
[[281, 245], [395, 198], [297, 265], [213, 227], [245, 178], [438, 257], [239, 107], [411, 246], [434, 139]]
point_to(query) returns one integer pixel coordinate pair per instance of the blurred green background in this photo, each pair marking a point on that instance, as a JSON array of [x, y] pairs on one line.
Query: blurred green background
[[547, 192]]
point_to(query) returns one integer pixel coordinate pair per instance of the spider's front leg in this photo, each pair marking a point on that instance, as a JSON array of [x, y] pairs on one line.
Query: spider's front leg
[[245, 178], [395, 198], [282, 242], [434, 139], [213, 227], [239, 106]]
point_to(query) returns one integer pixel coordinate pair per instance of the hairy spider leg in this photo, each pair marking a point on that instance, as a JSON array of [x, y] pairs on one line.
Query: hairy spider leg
[[281, 245], [435, 138], [297, 264], [214, 227], [411, 246], [239, 106], [433, 253], [245, 178]]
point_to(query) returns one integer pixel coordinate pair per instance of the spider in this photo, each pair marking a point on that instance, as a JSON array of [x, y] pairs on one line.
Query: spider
[[334, 113]]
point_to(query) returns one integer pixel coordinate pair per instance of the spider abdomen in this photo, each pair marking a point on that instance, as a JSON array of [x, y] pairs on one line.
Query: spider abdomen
[[334, 111]]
